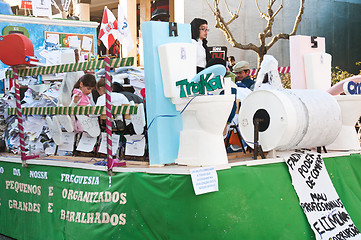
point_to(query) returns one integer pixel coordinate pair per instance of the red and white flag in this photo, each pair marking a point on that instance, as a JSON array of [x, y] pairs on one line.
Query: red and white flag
[[109, 28]]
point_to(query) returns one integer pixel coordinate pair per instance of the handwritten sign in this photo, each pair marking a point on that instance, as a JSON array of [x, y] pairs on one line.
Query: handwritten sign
[[86, 143], [135, 145], [204, 180], [41, 8], [68, 141], [318, 198], [103, 144]]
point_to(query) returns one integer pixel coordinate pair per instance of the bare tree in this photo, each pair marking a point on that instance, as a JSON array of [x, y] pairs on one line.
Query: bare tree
[[65, 7], [269, 15]]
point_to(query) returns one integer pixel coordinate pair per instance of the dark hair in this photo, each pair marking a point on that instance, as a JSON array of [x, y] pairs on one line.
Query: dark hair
[[214, 61], [195, 24], [232, 58], [101, 82], [88, 80]]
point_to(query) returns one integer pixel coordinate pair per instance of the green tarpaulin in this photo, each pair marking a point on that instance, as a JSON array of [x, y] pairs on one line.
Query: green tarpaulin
[[253, 202]]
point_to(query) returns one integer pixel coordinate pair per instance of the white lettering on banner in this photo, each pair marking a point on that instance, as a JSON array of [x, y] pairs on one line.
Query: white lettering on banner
[[24, 206], [1, 170], [79, 179], [23, 187], [16, 172], [318, 198], [204, 180], [90, 217], [50, 207], [94, 197], [38, 174]]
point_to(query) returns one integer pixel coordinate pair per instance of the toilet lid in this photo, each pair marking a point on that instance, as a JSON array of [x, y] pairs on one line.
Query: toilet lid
[[217, 70]]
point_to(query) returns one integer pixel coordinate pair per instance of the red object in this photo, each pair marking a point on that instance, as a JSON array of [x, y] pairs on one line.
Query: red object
[[108, 29], [16, 49], [142, 92], [26, 4]]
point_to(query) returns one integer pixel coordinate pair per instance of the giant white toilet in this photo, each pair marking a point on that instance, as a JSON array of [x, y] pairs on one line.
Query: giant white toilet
[[348, 139], [204, 117]]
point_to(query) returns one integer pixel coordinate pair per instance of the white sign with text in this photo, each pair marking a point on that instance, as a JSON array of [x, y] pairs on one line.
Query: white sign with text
[[41, 8], [318, 198], [204, 180]]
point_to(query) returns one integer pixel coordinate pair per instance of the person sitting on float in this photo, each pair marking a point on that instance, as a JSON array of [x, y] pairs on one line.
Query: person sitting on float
[[82, 90], [240, 92], [242, 71], [117, 98], [199, 28]]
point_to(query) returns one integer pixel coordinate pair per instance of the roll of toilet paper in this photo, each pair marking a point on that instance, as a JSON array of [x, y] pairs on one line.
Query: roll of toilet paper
[[290, 118], [323, 115], [302, 122], [279, 114]]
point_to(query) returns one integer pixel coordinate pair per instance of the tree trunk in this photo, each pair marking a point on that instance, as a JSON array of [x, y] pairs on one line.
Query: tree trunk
[[259, 61]]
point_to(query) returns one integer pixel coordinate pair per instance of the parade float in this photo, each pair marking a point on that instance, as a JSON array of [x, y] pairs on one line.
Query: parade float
[[189, 189]]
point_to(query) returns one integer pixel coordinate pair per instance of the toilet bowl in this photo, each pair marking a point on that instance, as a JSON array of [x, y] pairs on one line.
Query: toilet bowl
[[201, 140], [348, 139], [203, 117]]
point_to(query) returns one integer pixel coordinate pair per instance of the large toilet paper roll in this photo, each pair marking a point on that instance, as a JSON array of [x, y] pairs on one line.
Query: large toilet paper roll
[[291, 119]]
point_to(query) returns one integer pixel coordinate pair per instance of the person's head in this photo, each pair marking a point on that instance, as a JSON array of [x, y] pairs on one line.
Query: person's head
[[199, 29], [86, 83], [101, 85], [160, 15], [241, 69], [231, 60]]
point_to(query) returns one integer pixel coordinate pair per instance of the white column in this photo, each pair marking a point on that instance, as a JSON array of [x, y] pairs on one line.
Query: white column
[[82, 10], [179, 11]]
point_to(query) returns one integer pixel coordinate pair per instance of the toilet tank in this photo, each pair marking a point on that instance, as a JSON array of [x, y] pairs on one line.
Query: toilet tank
[[318, 70], [177, 62]]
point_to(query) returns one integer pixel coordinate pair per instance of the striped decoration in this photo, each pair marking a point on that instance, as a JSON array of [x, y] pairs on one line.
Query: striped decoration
[[20, 120], [280, 70], [77, 110], [72, 67], [108, 105]]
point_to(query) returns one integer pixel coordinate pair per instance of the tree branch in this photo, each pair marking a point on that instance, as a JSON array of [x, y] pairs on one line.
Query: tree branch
[[263, 15], [294, 30], [279, 9], [220, 23], [299, 18]]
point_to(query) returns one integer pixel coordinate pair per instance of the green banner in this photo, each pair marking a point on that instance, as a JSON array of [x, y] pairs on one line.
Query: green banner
[[254, 202]]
